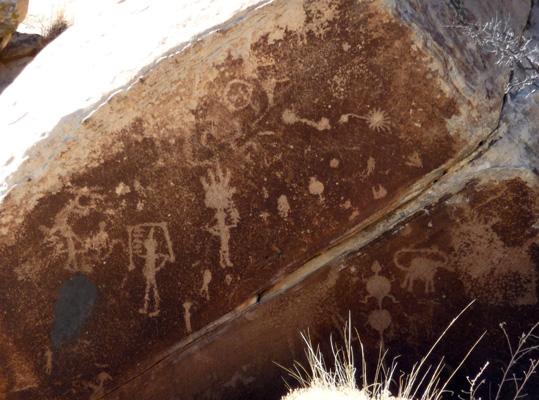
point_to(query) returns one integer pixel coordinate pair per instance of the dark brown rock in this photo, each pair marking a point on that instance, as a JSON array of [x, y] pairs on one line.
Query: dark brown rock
[[233, 169]]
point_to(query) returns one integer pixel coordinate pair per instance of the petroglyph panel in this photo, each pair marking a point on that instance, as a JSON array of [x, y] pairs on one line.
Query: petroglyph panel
[[403, 289], [221, 171]]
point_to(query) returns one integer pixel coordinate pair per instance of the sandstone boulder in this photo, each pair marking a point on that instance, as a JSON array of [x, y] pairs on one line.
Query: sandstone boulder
[[184, 207], [12, 13]]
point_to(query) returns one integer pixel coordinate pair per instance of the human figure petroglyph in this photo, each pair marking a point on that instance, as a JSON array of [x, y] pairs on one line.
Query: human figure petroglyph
[[62, 235], [420, 267], [219, 197], [143, 244]]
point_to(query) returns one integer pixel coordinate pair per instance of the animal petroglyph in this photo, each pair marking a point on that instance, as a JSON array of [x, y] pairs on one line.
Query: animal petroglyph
[[377, 119], [64, 239], [422, 266], [219, 197], [150, 242], [290, 118]]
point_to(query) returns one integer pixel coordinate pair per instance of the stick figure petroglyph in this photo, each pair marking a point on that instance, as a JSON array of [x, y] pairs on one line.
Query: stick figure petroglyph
[[219, 197], [423, 266], [144, 244]]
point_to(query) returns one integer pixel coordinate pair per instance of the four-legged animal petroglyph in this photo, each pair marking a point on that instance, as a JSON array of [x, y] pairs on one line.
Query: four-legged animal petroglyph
[[219, 197], [423, 266], [150, 242]]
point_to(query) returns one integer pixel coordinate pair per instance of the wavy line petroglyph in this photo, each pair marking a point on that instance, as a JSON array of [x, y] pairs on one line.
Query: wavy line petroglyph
[[219, 197], [150, 242], [290, 118], [423, 265]]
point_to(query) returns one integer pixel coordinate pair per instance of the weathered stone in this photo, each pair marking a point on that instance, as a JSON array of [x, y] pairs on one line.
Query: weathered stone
[[20, 51], [170, 205], [12, 13]]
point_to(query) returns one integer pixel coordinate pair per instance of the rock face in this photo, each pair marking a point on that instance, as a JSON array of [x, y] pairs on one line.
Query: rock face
[[12, 12], [304, 160]]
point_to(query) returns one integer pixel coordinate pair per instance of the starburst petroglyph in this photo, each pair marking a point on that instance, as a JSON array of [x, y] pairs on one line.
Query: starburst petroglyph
[[377, 119], [219, 197]]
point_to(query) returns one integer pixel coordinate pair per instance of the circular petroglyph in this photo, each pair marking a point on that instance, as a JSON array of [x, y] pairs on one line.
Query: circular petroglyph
[[378, 120], [238, 94], [379, 320], [334, 163], [316, 187]]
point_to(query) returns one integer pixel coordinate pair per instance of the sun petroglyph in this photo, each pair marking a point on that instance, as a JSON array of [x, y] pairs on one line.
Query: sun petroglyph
[[377, 119], [219, 197]]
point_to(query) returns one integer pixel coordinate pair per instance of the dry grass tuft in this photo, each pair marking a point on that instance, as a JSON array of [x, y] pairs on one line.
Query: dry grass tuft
[[422, 383], [55, 28]]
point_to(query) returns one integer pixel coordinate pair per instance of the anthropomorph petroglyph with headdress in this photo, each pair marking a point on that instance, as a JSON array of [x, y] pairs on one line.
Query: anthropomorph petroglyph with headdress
[[219, 197], [144, 243]]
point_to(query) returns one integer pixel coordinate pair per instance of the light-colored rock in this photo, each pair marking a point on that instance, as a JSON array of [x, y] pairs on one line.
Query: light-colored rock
[[238, 174], [12, 13]]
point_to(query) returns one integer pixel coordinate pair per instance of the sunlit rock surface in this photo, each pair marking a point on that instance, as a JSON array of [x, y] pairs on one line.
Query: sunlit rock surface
[[12, 13], [174, 211]]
